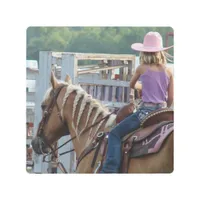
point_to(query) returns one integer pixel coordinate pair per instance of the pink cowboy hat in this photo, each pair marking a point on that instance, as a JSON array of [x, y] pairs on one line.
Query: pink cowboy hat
[[152, 43]]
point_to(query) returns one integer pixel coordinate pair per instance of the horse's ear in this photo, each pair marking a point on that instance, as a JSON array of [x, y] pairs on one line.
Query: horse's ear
[[54, 82], [68, 79]]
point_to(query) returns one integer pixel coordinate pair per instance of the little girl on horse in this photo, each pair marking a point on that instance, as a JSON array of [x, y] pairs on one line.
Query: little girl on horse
[[157, 93]]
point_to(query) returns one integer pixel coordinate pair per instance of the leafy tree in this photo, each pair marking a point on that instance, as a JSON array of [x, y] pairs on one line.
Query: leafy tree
[[88, 39]]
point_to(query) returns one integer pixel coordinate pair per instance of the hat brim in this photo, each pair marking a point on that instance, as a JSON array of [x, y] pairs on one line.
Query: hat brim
[[141, 47]]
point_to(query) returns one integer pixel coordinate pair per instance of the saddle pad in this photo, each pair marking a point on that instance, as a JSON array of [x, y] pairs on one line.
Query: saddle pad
[[142, 133], [152, 143]]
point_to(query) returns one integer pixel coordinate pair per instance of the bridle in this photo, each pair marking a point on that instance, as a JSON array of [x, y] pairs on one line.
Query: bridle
[[49, 109], [42, 138]]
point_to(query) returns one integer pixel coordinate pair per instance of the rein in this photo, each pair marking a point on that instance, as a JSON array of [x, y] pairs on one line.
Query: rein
[[84, 131]]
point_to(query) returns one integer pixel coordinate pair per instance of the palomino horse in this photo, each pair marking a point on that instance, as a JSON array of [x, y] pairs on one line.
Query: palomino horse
[[68, 108]]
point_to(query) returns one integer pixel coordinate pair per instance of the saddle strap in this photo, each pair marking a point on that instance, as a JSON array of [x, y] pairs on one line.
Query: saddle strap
[[95, 144], [104, 147], [97, 149], [103, 150], [86, 151], [126, 157]]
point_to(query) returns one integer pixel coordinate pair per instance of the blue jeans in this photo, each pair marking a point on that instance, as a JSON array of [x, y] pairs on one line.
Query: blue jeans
[[129, 124]]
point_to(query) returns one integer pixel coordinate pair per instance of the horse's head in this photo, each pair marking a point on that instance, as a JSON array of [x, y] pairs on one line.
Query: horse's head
[[52, 126]]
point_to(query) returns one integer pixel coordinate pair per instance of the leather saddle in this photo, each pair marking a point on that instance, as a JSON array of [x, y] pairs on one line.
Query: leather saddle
[[148, 139]]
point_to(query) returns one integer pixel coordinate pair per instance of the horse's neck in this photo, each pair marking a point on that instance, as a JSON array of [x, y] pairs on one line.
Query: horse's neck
[[80, 115]]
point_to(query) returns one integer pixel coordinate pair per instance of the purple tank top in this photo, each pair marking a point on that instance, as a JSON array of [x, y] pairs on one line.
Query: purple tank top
[[154, 86]]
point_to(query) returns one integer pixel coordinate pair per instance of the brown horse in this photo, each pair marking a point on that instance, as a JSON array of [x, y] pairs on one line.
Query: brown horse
[[68, 108]]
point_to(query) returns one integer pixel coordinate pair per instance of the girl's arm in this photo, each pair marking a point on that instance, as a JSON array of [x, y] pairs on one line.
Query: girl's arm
[[134, 84], [134, 79]]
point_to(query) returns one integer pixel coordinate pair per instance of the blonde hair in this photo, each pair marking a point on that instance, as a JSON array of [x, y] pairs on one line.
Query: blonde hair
[[157, 58]]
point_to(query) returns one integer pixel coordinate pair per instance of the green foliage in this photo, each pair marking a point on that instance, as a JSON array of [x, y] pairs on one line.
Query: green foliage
[[88, 39]]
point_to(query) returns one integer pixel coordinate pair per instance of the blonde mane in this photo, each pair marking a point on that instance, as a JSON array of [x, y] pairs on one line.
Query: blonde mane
[[86, 98]]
